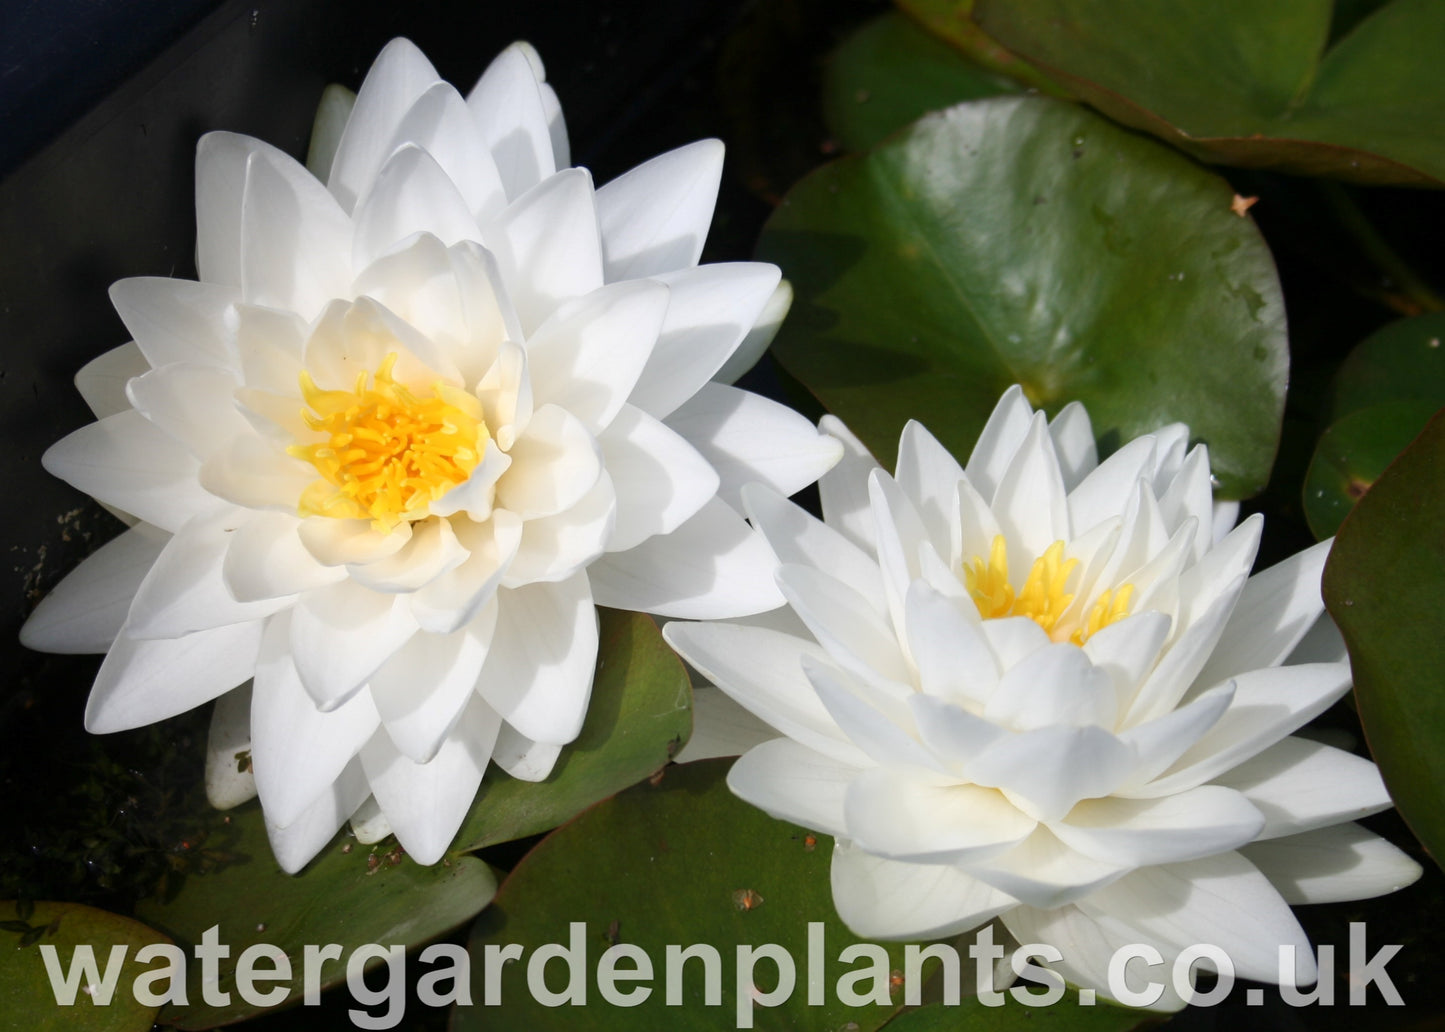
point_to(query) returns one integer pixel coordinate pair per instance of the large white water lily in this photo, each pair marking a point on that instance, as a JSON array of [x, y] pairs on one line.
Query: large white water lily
[[1046, 689], [410, 425]]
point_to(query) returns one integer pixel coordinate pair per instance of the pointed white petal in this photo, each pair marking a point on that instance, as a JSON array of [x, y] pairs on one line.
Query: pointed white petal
[[454, 598], [1048, 770], [335, 542], [557, 547], [221, 160], [655, 217], [554, 464], [333, 111], [1140, 832], [793, 783], [758, 339], [523, 758], [255, 473], [929, 476], [514, 120], [229, 780], [296, 844], [102, 381], [194, 404], [1029, 502], [661, 480], [141, 682], [538, 674], [432, 552], [1044, 872], [340, 635], [1005, 430], [547, 246], [844, 488], [1052, 686], [721, 727], [1301, 785], [440, 124], [85, 611], [890, 899], [266, 559], [713, 566], [1073, 436], [894, 816], [411, 194], [176, 320], [749, 438], [845, 623], [1333, 865], [1105, 488]]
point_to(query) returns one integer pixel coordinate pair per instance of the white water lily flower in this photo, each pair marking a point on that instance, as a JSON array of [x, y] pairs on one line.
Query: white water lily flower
[[1046, 689], [411, 424]]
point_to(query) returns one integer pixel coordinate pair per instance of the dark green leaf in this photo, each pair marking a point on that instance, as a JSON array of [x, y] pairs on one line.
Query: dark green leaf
[[348, 895], [640, 715], [1029, 241], [676, 863], [1065, 1016], [1248, 83], [1403, 361], [30, 1001], [889, 73], [952, 21], [1383, 584], [1351, 455]]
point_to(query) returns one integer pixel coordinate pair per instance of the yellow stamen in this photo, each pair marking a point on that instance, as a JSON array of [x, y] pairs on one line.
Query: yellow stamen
[[388, 453], [1043, 598]]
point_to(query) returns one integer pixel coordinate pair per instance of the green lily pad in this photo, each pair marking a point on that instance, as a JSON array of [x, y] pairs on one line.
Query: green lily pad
[[1065, 1016], [640, 715], [1025, 240], [349, 895], [35, 1003], [952, 21], [1251, 84], [1402, 361], [1351, 455], [678, 863], [1383, 584], [890, 72]]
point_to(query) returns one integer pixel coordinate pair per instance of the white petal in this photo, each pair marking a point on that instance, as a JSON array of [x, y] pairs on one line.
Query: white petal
[[1046, 771], [1301, 785], [556, 547], [454, 598], [185, 590], [899, 818], [538, 675], [844, 488], [1268, 704], [929, 476], [432, 552], [889, 899], [229, 780], [1200, 822], [793, 783], [368, 823], [709, 312], [1222, 900], [269, 346], [721, 727], [758, 339], [102, 381], [1052, 686], [1001, 436], [799, 538], [341, 634], [1127, 650], [1333, 865], [297, 843], [333, 542], [554, 464], [411, 194], [221, 160], [141, 682], [1275, 611], [547, 246], [358, 336], [398, 78], [749, 438], [1105, 489], [295, 239], [1191, 496], [713, 566], [505, 392], [126, 461], [661, 480], [1029, 502], [440, 124], [1074, 445], [1043, 872], [556, 127], [85, 611], [513, 120], [588, 355], [192, 403], [297, 751], [845, 623], [1161, 741], [254, 473], [655, 217], [421, 690], [884, 735], [523, 758], [425, 803], [266, 559], [333, 111], [761, 669], [1323, 643], [176, 320]]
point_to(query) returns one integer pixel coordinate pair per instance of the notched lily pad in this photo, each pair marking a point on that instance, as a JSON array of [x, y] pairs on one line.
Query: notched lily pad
[[1352, 454], [1028, 240]]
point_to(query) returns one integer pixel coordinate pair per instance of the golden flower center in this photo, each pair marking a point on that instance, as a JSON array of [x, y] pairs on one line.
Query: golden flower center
[[388, 452], [1042, 598]]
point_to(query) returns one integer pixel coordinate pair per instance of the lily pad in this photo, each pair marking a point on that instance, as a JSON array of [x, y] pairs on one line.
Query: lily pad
[[33, 1003], [349, 895], [677, 863], [1351, 455], [1251, 84], [1026, 240], [890, 72], [1065, 1016], [952, 21], [640, 715], [1383, 584], [1402, 361]]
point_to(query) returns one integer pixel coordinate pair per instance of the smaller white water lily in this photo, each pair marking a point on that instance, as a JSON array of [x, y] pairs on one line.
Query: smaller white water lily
[[413, 421], [1043, 688]]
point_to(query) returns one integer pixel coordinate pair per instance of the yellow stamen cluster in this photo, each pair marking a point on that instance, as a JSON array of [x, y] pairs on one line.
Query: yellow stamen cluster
[[388, 453], [1043, 598]]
